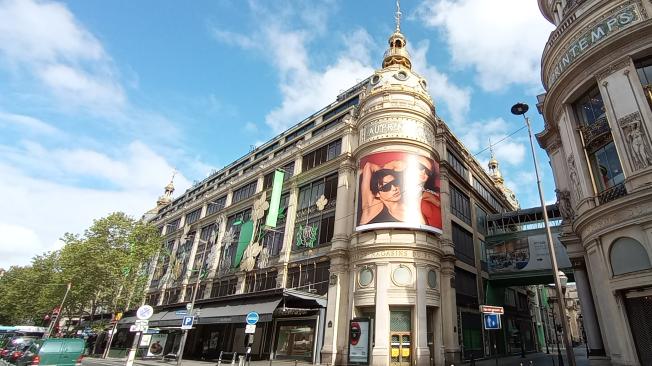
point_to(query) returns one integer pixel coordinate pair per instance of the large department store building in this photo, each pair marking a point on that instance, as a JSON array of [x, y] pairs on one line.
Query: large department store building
[[597, 71], [375, 253]]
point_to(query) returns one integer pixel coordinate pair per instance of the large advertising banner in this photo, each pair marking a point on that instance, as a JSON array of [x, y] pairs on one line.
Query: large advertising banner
[[525, 253], [399, 190], [359, 341]]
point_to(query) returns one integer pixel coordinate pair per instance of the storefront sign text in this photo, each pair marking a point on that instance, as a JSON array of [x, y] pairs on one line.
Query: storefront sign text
[[394, 127], [612, 24]]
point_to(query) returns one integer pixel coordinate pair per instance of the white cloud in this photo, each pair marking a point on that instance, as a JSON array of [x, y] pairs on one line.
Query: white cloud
[[251, 127], [79, 87], [456, 99], [477, 136], [28, 124], [44, 206], [45, 40], [500, 39]]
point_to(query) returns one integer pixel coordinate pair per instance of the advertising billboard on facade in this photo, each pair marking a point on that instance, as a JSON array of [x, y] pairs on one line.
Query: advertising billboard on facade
[[399, 190], [519, 253]]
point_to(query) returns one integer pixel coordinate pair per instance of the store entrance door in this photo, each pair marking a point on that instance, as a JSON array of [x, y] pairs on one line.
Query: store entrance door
[[401, 348], [639, 306]]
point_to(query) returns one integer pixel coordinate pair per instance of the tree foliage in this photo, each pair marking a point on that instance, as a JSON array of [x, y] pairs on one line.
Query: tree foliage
[[106, 267]]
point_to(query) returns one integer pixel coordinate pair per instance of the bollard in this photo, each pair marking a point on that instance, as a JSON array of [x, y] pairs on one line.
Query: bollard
[[295, 362], [233, 359]]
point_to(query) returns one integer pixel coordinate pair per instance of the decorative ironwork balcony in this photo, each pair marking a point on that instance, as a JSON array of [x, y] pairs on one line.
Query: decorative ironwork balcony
[[612, 193], [596, 134]]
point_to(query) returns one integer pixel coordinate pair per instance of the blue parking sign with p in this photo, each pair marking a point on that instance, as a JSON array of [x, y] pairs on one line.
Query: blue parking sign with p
[[187, 321], [491, 321]]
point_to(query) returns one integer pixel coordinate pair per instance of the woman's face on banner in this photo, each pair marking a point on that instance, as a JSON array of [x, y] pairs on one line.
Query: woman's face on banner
[[389, 189]]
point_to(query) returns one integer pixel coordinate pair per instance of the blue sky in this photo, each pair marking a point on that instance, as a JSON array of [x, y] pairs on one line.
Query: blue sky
[[100, 101]]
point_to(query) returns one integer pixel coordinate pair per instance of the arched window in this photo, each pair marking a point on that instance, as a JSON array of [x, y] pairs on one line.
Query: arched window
[[628, 255]]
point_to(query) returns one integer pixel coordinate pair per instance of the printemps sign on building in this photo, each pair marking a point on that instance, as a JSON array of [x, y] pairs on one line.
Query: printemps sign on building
[[379, 214]]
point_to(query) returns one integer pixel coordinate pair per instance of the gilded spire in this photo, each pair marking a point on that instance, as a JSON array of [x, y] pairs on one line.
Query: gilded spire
[[398, 16], [494, 170], [166, 198], [397, 54]]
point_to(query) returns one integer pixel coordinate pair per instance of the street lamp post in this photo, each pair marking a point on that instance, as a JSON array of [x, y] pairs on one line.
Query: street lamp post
[[521, 109]]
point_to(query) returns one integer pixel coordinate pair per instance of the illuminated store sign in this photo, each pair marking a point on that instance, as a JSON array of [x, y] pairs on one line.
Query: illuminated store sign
[[610, 25]]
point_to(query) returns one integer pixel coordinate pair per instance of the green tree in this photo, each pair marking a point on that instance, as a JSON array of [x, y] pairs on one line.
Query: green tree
[[106, 266]]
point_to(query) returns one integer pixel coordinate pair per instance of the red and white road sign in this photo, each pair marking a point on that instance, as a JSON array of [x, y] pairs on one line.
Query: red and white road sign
[[490, 309]]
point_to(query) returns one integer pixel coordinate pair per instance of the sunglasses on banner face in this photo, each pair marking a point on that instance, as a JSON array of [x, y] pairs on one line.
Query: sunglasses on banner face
[[388, 186]]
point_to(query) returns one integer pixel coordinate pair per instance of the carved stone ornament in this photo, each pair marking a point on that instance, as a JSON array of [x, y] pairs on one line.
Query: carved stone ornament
[[564, 205], [249, 256], [637, 141], [332, 280], [574, 178], [263, 258]]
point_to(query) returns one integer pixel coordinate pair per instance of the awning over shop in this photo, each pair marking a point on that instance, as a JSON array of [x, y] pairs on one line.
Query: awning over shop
[[129, 320], [236, 313]]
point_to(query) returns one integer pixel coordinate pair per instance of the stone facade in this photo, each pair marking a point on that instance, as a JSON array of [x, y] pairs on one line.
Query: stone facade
[[598, 120]]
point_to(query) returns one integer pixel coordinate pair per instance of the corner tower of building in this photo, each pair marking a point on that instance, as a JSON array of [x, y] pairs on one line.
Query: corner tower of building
[[402, 270]]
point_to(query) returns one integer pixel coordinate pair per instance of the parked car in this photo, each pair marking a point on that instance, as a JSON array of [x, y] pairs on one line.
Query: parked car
[[54, 351], [16, 348]]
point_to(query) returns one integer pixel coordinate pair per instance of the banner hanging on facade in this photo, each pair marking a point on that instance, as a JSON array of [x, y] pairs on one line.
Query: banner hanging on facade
[[399, 190]]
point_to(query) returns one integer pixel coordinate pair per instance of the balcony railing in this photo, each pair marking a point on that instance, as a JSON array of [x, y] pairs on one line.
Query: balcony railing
[[612, 193], [596, 133]]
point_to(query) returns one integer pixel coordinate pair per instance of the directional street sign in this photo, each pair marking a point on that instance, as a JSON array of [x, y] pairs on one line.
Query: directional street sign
[[491, 321], [252, 318], [490, 309], [144, 312], [187, 322], [181, 312]]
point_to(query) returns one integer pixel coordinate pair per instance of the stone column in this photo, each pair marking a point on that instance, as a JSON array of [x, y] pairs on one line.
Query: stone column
[[589, 318], [337, 312], [380, 352], [335, 336], [421, 323], [449, 310], [439, 337]]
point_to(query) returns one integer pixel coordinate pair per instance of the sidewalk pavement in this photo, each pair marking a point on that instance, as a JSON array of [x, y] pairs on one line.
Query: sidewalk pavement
[[536, 359]]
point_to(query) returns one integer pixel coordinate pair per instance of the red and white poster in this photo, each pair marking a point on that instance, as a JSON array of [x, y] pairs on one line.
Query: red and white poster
[[399, 190]]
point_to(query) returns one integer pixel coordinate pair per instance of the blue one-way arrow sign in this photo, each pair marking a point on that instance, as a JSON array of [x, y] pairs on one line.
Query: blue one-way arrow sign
[[187, 322]]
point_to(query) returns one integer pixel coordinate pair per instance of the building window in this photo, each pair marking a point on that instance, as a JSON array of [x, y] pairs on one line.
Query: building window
[[606, 167], [480, 220], [463, 241], [201, 263], [598, 141], [215, 205], [465, 285], [628, 255], [510, 297], [644, 71], [182, 257], [273, 238], [321, 155], [300, 131], [173, 225], [192, 217], [152, 299], [483, 255], [230, 241], [244, 192], [484, 193], [351, 102], [268, 180], [224, 287], [171, 296], [460, 205], [163, 262], [313, 226], [191, 288], [309, 277], [255, 282], [457, 165]]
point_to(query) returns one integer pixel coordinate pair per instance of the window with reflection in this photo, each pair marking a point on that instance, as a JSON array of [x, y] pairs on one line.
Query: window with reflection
[[644, 71], [598, 141], [606, 167], [590, 107]]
